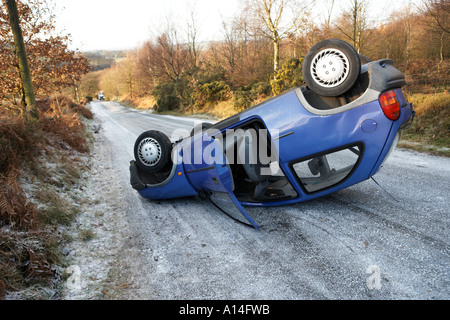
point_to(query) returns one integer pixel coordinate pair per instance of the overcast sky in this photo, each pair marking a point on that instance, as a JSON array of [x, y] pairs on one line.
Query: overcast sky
[[126, 24]]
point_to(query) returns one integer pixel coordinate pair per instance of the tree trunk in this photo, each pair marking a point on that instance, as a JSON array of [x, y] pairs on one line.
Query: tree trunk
[[355, 22], [130, 83], [441, 52], [276, 55], [25, 75], [77, 93]]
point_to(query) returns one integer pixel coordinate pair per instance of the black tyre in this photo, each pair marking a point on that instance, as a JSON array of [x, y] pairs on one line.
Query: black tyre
[[201, 127], [331, 67], [152, 151]]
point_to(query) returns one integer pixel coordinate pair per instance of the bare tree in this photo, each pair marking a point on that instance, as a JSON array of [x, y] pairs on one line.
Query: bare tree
[[329, 4], [244, 54], [277, 19], [407, 30], [128, 74], [439, 13], [173, 54], [229, 48], [192, 37], [355, 23], [436, 16]]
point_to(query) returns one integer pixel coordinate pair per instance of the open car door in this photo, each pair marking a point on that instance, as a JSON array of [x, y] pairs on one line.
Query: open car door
[[228, 204], [212, 175]]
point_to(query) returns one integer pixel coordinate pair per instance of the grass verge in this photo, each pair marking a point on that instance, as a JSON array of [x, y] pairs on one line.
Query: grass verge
[[430, 130], [39, 163]]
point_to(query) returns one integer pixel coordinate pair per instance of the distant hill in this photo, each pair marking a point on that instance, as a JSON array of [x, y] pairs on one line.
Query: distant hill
[[103, 59]]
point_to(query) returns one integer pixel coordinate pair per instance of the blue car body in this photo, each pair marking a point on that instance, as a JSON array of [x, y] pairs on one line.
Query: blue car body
[[309, 136]]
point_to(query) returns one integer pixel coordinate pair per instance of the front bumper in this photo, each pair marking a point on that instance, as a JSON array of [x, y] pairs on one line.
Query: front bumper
[[135, 181], [175, 185]]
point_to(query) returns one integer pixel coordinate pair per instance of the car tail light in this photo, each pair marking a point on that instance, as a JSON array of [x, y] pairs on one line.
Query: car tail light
[[390, 105]]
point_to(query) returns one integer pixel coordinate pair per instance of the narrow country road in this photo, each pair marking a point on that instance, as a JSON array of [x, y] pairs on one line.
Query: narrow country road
[[359, 243]]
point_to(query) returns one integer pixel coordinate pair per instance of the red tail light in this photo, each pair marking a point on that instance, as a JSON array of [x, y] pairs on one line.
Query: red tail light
[[390, 105]]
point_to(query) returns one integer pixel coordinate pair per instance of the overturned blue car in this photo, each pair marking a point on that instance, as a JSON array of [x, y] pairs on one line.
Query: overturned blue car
[[331, 133]]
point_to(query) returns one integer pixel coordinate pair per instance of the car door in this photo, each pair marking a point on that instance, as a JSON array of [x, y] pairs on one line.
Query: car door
[[207, 170]]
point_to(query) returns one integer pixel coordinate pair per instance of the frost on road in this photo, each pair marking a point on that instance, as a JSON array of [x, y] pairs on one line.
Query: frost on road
[[359, 243]]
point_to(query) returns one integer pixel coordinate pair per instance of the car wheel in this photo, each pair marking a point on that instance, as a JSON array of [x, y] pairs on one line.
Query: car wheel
[[331, 67], [152, 151], [201, 127]]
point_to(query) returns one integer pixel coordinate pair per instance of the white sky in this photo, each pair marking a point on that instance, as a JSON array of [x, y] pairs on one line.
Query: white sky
[[126, 24]]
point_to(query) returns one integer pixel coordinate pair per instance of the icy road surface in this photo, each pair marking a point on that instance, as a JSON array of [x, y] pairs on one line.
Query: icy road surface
[[359, 243]]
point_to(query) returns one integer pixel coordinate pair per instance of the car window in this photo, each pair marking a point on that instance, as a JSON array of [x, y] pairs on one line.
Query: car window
[[229, 205], [326, 170]]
